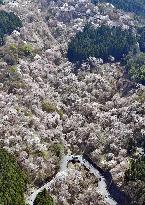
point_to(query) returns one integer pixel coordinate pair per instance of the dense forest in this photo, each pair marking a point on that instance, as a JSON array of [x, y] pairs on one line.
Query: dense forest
[[8, 23], [12, 181], [102, 42], [136, 6], [43, 198], [105, 42]]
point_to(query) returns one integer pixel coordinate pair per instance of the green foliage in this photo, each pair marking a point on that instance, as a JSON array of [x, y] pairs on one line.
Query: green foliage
[[135, 65], [22, 50], [49, 107], [43, 198], [57, 149], [12, 181], [12, 80], [141, 38], [100, 43], [104, 42], [25, 50], [8, 23], [135, 181], [136, 6], [13, 70], [136, 170], [12, 53]]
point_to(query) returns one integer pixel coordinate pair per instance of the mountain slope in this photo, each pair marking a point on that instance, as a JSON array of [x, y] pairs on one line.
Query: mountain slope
[[48, 110]]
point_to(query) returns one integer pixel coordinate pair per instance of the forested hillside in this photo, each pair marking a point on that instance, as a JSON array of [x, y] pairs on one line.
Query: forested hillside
[[12, 181], [136, 6], [105, 43], [102, 42], [52, 116]]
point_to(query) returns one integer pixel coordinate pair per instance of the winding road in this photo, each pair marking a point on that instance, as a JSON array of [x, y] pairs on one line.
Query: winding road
[[102, 186]]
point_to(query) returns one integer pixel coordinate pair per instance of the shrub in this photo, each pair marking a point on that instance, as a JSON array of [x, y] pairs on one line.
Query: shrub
[[23, 49], [12, 181], [12, 53], [43, 198], [57, 149], [141, 96], [49, 107]]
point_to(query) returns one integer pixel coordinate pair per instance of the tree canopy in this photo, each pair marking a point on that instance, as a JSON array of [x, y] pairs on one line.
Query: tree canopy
[[137, 169], [135, 65], [43, 198], [134, 184], [12, 181], [100, 43], [136, 6], [8, 23], [104, 42]]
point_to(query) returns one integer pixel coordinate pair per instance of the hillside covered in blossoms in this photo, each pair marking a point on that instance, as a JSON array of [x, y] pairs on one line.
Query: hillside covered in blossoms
[[72, 83]]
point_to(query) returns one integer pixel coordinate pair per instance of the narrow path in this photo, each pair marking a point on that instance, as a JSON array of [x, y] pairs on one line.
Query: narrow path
[[102, 186]]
